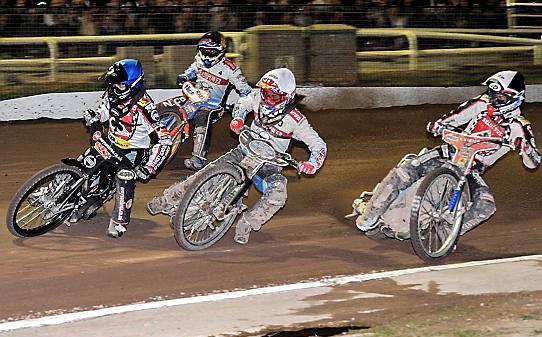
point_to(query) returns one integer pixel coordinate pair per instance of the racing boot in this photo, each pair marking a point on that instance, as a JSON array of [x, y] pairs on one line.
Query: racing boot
[[199, 154], [194, 163], [242, 231], [115, 229], [120, 215]]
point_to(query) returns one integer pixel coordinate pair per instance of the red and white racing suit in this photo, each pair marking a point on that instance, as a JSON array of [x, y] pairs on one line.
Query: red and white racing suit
[[269, 180], [482, 119], [221, 79], [477, 117], [140, 135]]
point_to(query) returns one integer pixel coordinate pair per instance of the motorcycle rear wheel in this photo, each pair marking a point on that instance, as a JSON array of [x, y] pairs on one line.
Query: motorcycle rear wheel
[[432, 237], [177, 128], [195, 225], [30, 211]]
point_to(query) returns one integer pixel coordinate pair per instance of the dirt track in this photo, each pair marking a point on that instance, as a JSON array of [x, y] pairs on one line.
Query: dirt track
[[78, 267]]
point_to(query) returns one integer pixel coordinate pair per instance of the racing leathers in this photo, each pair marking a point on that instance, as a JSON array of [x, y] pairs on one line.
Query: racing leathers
[[476, 117], [269, 179], [220, 80], [136, 130]]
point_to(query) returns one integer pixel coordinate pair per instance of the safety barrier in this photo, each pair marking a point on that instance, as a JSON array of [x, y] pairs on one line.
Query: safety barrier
[[72, 105]]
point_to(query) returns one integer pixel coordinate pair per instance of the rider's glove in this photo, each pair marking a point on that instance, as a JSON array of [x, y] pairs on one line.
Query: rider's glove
[[435, 128], [181, 79], [306, 167], [236, 125], [143, 173], [90, 117]]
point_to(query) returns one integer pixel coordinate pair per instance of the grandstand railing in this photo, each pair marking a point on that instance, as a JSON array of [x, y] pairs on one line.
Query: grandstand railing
[[53, 44], [414, 53], [521, 14]]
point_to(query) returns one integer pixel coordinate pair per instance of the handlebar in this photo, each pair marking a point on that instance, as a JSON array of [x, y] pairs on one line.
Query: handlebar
[[493, 140], [286, 157]]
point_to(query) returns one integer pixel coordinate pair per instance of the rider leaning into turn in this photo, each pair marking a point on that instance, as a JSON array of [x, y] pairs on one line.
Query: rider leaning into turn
[[496, 113], [135, 129], [213, 71], [274, 112]]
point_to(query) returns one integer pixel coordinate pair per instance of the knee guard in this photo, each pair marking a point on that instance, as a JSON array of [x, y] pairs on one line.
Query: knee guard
[[273, 199], [387, 190], [398, 179]]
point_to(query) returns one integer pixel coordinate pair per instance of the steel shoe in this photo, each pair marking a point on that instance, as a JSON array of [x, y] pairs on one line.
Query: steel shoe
[[115, 230]]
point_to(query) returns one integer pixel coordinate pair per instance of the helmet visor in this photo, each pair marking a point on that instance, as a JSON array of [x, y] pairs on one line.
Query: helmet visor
[[115, 74]]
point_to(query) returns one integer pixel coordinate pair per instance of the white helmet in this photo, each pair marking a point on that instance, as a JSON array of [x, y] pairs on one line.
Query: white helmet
[[507, 91], [277, 89]]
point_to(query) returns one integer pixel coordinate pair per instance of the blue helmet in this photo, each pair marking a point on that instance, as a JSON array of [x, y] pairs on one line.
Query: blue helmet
[[128, 72]]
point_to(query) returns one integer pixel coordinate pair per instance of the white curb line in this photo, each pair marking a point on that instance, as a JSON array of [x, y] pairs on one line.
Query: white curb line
[[341, 280]]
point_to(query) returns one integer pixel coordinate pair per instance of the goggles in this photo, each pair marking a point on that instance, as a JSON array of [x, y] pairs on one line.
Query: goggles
[[210, 51], [272, 98]]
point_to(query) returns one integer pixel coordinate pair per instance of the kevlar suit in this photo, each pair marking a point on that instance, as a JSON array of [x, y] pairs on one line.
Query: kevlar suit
[[477, 117], [269, 179]]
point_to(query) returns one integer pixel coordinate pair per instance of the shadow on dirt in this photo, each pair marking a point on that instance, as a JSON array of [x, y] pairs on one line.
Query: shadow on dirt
[[91, 235]]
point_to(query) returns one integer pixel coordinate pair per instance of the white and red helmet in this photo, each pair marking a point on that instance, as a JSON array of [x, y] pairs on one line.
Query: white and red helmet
[[277, 89], [506, 90]]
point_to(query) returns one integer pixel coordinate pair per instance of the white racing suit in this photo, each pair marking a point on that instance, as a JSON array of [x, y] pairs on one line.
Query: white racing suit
[[269, 179], [479, 118], [221, 79], [141, 137]]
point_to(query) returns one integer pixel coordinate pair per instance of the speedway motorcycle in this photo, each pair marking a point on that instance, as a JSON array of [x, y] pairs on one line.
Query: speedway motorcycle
[[76, 189], [71, 191], [176, 112], [213, 198], [430, 212]]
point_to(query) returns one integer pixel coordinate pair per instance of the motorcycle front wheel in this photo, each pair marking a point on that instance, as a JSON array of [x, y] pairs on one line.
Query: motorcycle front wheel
[[196, 224], [44, 201], [434, 230]]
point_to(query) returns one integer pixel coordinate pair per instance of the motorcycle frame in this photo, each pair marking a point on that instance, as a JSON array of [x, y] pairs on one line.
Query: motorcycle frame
[[466, 148]]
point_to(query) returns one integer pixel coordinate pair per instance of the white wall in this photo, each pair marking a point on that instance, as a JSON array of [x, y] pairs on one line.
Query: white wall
[[72, 105]]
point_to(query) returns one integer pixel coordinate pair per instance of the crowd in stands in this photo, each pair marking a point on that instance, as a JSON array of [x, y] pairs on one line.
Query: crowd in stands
[[110, 17]]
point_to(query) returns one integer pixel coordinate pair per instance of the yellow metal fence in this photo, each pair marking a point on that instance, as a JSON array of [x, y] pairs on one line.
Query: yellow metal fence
[[50, 64]]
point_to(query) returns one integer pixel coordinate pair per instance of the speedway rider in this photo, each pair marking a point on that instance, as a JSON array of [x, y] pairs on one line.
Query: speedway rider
[[496, 113], [134, 128], [274, 110], [213, 71]]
